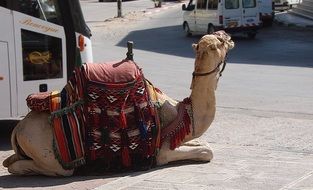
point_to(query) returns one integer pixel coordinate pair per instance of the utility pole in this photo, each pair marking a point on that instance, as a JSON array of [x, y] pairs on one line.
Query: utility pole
[[119, 8]]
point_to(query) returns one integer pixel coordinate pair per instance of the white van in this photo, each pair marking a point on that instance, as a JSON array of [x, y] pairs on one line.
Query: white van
[[207, 16], [266, 12]]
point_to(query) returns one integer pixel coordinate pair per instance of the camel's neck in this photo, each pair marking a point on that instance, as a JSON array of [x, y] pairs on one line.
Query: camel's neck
[[203, 102]]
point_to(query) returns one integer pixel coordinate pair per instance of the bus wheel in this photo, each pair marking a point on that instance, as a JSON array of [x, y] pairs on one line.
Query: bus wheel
[[211, 29], [187, 29], [251, 35]]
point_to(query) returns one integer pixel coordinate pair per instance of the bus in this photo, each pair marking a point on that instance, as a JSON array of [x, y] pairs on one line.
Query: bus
[[41, 42]]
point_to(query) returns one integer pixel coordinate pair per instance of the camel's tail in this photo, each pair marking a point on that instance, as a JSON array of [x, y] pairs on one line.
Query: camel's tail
[[18, 152]]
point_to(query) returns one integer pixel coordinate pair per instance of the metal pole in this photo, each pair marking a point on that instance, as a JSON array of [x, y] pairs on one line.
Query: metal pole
[[119, 8]]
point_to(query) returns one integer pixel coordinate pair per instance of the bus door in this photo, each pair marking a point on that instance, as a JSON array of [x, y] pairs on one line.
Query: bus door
[[207, 13], [201, 16], [6, 56], [232, 14], [5, 108], [40, 56], [250, 13]]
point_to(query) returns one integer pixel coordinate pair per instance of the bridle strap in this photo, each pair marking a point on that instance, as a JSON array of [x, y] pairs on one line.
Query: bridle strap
[[224, 65], [194, 74], [223, 68]]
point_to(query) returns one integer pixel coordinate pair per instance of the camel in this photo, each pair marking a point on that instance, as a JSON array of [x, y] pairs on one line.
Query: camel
[[32, 137]]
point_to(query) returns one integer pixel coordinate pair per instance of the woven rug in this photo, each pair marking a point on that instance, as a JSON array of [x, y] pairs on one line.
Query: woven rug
[[121, 120]]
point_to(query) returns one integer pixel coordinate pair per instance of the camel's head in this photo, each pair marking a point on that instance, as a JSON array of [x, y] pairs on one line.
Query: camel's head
[[211, 51]]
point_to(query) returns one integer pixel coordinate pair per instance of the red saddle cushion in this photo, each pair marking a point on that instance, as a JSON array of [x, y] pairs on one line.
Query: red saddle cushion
[[112, 72]]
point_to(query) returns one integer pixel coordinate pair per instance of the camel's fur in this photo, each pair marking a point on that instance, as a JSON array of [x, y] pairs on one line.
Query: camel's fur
[[32, 138]]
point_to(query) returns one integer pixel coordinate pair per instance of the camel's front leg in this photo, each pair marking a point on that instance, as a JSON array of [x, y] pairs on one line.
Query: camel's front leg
[[196, 142], [194, 150]]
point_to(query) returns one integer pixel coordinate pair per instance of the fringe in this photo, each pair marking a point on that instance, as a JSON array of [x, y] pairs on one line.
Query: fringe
[[180, 127], [67, 165], [125, 157]]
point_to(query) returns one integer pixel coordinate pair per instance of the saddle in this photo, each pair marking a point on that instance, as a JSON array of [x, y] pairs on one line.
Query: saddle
[[104, 113]]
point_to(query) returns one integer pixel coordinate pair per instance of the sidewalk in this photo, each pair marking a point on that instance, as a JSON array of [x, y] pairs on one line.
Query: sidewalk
[[128, 7], [251, 152]]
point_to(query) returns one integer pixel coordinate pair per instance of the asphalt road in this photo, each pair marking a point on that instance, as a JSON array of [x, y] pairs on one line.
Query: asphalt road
[[271, 73]]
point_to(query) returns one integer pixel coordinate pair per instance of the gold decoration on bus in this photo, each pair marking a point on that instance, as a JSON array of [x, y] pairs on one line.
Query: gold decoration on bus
[[37, 57], [29, 22]]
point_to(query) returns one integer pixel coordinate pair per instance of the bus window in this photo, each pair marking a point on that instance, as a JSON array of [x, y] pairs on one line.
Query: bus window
[[42, 56], [49, 8], [212, 5], [249, 3], [201, 4], [231, 4], [44, 9], [3, 3]]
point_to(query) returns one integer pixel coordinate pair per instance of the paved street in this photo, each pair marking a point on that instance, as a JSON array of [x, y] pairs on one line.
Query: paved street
[[262, 133]]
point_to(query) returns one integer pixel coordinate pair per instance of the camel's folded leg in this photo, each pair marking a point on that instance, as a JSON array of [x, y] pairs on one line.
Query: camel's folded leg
[[28, 167], [196, 152], [196, 142]]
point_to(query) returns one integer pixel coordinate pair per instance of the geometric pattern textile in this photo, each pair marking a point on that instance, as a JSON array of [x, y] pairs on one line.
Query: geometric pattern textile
[[104, 113], [107, 113], [121, 120]]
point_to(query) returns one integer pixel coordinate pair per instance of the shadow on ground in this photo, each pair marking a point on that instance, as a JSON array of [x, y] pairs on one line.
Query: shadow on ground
[[273, 46], [6, 128], [10, 181]]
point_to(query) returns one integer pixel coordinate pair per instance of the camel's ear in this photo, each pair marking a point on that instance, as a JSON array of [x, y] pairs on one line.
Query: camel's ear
[[195, 47]]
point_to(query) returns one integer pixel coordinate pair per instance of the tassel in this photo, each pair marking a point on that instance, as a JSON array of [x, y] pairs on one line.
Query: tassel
[[172, 143], [123, 121], [177, 140], [152, 111], [105, 137], [125, 157], [93, 155], [143, 129], [154, 130], [182, 133], [158, 128], [149, 151], [144, 147]]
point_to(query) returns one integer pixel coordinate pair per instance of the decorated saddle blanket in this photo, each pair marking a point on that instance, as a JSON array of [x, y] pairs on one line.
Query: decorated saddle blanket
[[122, 122], [103, 113]]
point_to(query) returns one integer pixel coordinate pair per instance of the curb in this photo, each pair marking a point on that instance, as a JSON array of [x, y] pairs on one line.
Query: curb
[[164, 6], [292, 23]]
